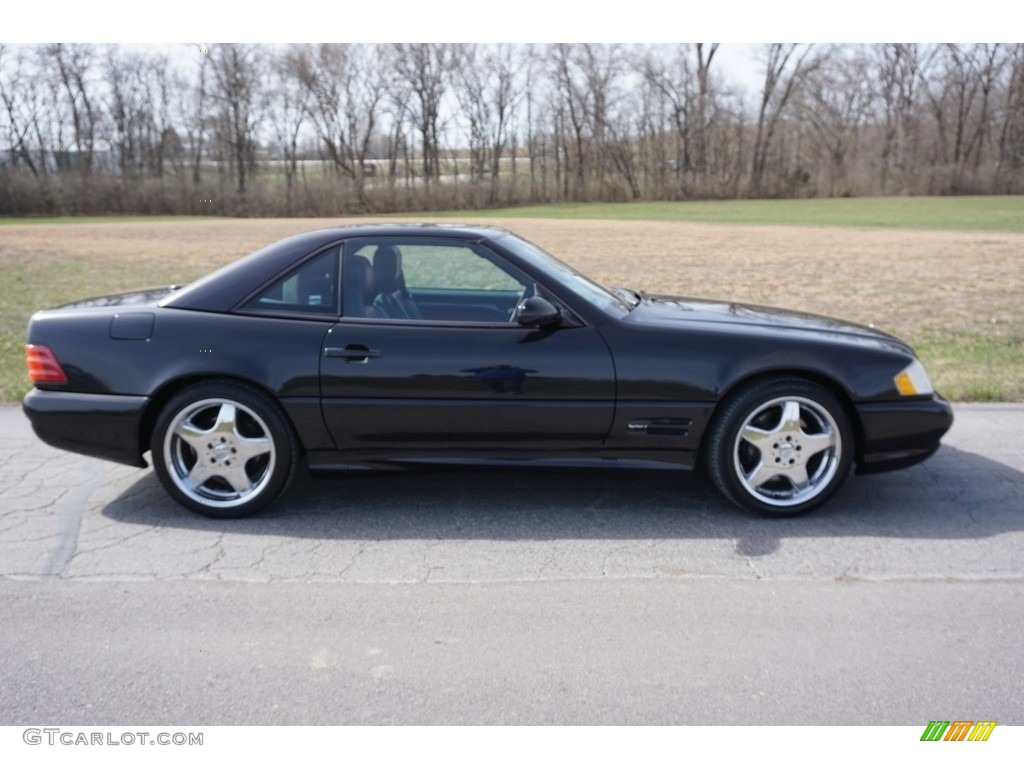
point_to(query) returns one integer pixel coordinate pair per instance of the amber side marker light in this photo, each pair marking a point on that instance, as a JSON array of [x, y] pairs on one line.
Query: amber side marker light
[[913, 380], [43, 367]]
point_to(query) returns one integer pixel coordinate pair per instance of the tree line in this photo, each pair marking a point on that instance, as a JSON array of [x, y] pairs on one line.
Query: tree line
[[333, 129]]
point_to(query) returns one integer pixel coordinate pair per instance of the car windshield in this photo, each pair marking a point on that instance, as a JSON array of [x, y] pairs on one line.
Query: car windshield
[[579, 283]]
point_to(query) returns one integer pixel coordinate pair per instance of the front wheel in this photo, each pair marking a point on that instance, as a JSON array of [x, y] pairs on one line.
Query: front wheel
[[223, 449], [781, 447]]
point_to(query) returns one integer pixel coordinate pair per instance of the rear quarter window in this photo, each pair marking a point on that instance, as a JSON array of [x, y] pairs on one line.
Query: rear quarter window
[[312, 287]]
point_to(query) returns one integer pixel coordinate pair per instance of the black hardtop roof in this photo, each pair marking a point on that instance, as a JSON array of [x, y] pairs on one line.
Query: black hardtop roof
[[405, 229], [222, 289]]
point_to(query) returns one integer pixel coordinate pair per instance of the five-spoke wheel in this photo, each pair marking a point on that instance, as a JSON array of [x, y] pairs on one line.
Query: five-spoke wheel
[[223, 449], [780, 446]]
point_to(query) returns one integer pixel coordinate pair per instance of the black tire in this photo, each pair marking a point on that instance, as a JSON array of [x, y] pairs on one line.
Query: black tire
[[780, 447], [224, 449]]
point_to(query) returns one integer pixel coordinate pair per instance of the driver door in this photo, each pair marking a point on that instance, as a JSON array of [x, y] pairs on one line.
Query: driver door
[[429, 359]]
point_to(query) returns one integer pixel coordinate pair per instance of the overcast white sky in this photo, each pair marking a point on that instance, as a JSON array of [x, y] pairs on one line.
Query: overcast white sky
[[736, 62], [665, 21], [740, 24]]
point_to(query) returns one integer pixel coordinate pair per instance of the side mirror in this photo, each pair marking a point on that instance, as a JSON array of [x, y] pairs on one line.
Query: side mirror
[[536, 312]]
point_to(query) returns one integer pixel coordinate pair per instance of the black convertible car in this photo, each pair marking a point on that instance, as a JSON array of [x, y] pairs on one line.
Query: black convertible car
[[391, 346]]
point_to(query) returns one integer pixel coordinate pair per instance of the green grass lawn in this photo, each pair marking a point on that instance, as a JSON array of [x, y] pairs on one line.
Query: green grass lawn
[[9, 220], [998, 214], [972, 365], [992, 213]]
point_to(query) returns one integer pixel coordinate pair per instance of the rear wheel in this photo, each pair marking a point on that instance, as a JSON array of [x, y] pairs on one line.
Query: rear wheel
[[781, 447], [223, 449]]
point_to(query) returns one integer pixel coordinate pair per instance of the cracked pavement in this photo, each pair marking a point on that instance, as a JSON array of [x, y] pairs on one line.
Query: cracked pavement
[[514, 597], [958, 516]]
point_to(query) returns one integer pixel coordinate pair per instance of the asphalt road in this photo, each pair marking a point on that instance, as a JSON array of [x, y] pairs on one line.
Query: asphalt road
[[515, 597]]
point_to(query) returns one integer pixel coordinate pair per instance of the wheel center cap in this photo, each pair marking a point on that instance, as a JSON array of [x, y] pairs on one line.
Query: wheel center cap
[[221, 450], [787, 451]]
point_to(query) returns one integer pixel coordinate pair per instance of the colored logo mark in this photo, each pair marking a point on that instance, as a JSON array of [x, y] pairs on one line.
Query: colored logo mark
[[958, 730]]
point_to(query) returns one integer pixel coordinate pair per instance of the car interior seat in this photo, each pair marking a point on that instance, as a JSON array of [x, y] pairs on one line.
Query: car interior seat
[[358, 287], [393, 299]]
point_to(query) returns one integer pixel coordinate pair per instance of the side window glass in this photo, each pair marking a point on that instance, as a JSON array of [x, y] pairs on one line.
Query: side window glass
[[310, 287], [453, 268], [419, 279]]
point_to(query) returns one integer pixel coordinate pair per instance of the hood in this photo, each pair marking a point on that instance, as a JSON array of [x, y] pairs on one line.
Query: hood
[[672, 309], [144, 297]]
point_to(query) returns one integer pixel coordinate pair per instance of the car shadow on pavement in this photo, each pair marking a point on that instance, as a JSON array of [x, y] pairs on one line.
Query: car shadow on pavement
[[954, 495]]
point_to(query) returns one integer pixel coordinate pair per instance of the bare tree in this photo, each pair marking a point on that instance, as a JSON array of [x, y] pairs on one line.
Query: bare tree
[[192, 107], [989, 63], [685, 91], [346, 87], [595, 121], [238, 72], [621, 145], [897, 71], [960, 98], [397, 113], [703, 105], [835, 107], [163, 84], [290, 102], [672, 85], [571, 115], [488, 92], [779, 86], [19, 94], [128, 108], [73, 64], [601, 68], [427, 69], [537, 138], [586, 80], [1011, 136]]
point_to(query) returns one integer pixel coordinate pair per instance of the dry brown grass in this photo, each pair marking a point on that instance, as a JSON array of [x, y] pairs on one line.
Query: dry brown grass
[[895, 279], [929, 287]]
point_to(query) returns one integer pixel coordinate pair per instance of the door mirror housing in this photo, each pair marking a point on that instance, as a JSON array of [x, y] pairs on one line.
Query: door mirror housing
[[537, 312]]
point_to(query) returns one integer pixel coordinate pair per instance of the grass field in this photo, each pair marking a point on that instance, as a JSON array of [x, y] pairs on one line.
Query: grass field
[[997, 214], [976, 214], [956, 294]]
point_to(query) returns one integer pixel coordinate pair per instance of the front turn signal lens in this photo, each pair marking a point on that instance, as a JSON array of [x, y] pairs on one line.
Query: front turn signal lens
[[913, 380], [43, 366]]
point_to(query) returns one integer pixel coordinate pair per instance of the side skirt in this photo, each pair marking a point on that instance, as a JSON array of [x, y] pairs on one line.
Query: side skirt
[[323, 462]]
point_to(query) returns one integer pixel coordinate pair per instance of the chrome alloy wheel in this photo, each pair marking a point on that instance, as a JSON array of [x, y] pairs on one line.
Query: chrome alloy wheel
[[219, 452], [787, 451]]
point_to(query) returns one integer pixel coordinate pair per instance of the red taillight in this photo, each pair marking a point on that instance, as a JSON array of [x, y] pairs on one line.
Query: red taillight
[[43, 367]]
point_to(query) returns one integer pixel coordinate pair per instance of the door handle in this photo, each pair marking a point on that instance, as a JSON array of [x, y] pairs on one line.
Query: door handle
[[353, 353]]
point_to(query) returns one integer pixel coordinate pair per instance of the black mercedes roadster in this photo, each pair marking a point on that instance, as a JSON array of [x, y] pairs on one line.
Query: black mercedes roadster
[[394, 346]]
